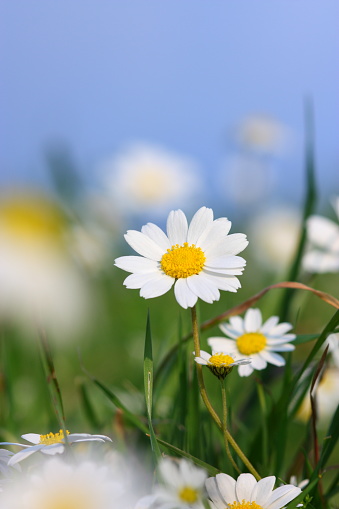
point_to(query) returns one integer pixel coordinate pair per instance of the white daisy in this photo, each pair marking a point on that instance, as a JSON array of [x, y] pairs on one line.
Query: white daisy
[[146, 177], [57, 485], [183, 486], [52, 443], [247, 493], [323, 236], [219, 363], [199, 259], [252, 339]]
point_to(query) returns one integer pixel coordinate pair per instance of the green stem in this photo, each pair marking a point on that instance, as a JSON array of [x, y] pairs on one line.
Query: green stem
[[263, 407], [224, 426], [203, 392]]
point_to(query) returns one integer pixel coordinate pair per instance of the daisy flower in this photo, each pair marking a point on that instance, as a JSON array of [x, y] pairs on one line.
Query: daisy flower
[[52, 443], [183, 486], [198, 259], [57, 485], [219, 363], [247, 493], [323, 236], [144, 177], [252, 339]]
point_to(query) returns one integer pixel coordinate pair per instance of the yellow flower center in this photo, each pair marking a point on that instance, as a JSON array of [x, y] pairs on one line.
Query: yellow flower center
[[53, 438], [183, 261], [31, 218], [251, 342], [69, 500], [244, 505], [188, 495], [220, 359]]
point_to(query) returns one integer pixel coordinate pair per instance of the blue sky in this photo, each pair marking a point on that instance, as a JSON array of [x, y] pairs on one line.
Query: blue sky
[[180, 73]]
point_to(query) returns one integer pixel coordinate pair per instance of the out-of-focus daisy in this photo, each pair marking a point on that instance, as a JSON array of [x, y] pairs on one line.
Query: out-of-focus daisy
[[247, 493], [182, 487], [39, 282], [262, 133], [252, 339], [333, 348], [219, 363], [146, 177], [323, 236], [277, 232], [52, 443], [199, 259], [327, 398], [58, 485]]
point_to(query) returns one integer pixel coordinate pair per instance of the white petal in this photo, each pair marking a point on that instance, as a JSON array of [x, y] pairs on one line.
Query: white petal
[[74, 437], [227, 486], [225, 282], [269, 324], [225, 262], [258, 362], [222, 344], [273, 358], [282, 496], [252, 320], [136, 264], [157, 287], [237, 323], [203, 288], [135, 281], [230, 245], [212, 235], [280, 341], [245, 370], [34, 438], [280, 348], [205, 355], [200, 360], [19, 456], [244, 487], [177, 227], [169, 472], [144, 245], [213, 493], [185, 297], [321, 262], [229, 331], [323, 232], [201, 220], [264, 490], [53, 449], [280, 329], [157, 235]]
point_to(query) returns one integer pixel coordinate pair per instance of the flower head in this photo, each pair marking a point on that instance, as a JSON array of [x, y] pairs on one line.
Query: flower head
[[246, 493], [182, 487], [52, 443], [250, 338], [199, 259], [219, 363], [58, 485], [145, 177], [323, 236]]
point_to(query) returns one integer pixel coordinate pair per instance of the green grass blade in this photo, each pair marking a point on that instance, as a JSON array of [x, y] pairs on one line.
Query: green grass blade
[[148, 386]]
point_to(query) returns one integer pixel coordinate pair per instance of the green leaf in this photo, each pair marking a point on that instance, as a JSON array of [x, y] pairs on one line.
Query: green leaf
[[148, 386]]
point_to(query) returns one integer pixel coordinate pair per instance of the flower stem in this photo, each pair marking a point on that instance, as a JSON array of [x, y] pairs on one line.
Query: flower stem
[[203, 392], [224, 426]]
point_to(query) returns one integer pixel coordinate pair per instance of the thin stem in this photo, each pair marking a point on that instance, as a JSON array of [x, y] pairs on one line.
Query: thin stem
[[263, 407], [224, 426], [203, 392]]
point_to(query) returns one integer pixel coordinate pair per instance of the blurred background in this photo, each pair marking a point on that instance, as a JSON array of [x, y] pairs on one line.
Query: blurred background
[[114, 113]]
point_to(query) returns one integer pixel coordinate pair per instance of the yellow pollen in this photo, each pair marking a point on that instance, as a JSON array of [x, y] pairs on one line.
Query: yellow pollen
[[188, 495], [251, 342], [244, 505], [183, 261], [220, 359], [53, 438]]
